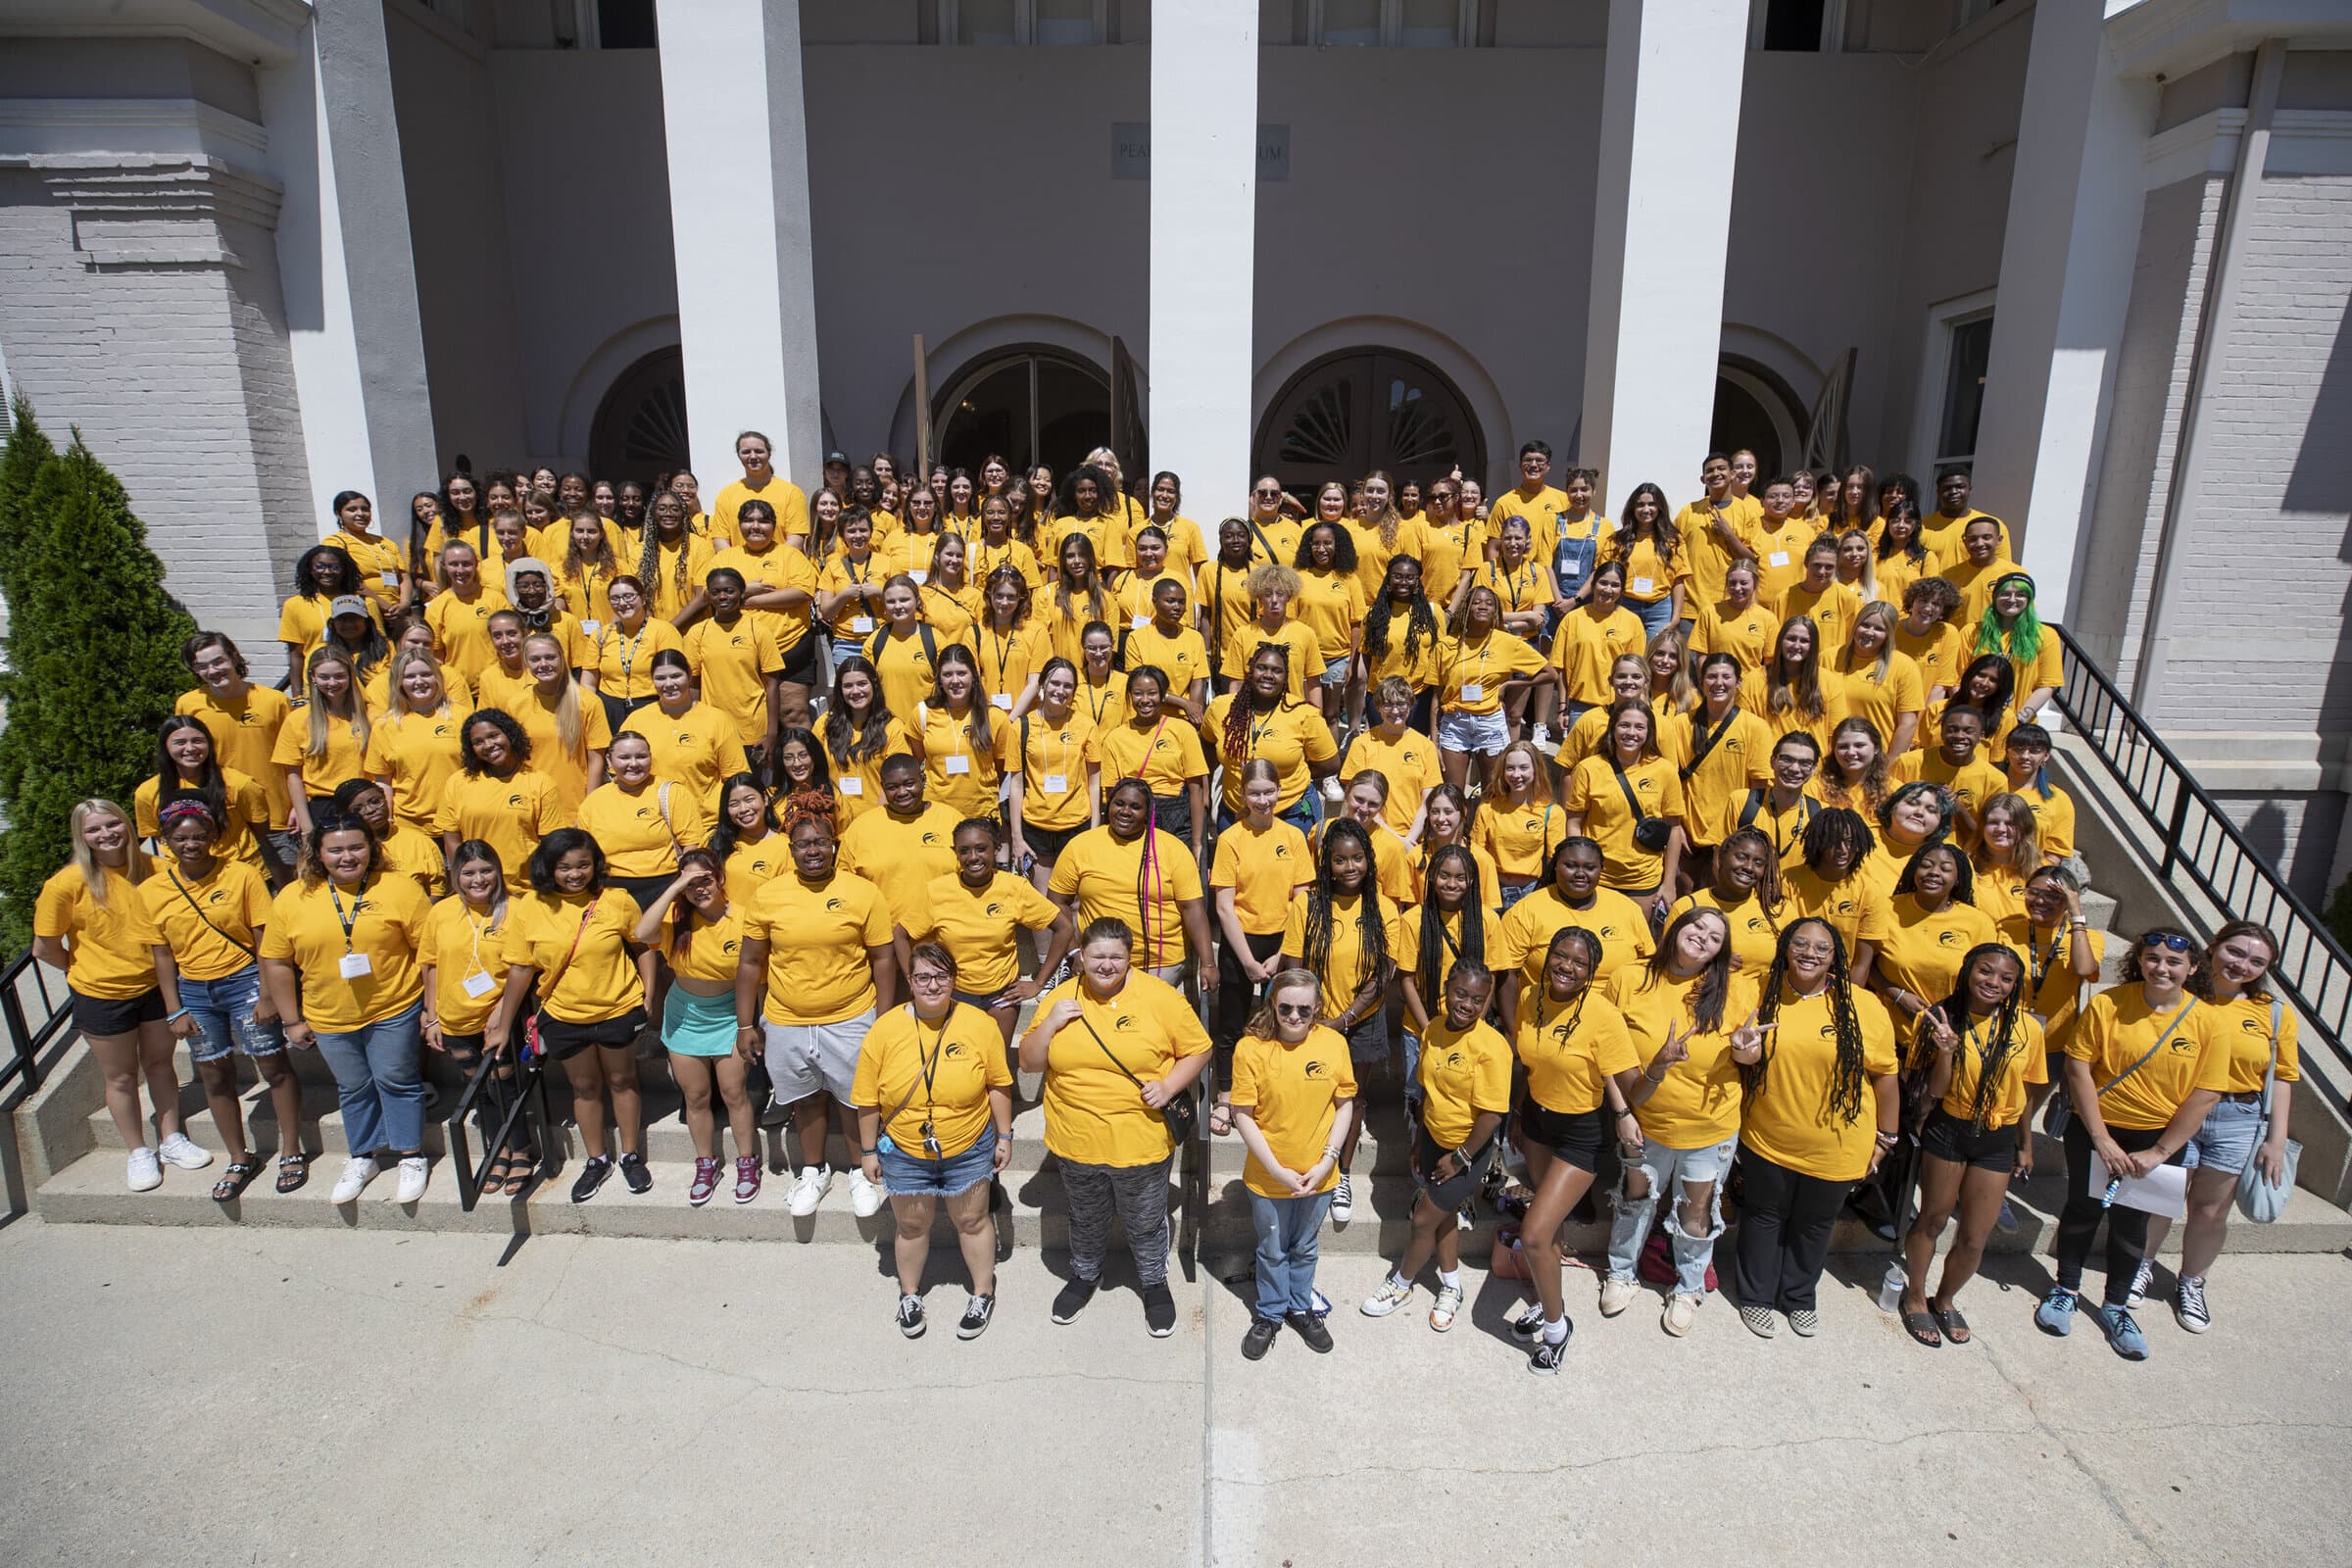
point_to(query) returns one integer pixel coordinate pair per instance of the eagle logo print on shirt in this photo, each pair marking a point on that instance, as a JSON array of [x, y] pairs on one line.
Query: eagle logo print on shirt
[[832, 904], [1314, 1068]]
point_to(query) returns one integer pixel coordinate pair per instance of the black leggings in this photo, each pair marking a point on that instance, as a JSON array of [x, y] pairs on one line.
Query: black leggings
[[496, 1097], [1236, 996], [1786, 1220], [2078, 1220]]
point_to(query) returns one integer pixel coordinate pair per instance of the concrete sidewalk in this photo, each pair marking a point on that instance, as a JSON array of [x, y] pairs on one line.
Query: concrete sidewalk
[[272, 1395]]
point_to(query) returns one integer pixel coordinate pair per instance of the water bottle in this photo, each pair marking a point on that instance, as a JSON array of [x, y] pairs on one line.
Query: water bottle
[[1890, 1289]]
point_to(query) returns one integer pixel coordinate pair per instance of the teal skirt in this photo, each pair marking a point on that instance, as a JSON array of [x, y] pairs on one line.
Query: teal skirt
[[698, 1026]]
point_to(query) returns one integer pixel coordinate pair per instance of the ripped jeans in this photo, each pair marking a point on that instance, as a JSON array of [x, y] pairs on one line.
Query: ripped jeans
[[1668, 1170]]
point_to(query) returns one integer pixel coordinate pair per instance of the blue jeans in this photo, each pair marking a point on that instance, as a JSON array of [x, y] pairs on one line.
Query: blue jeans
[[223, 1013], [376, 1081], [1288, 1234], [1668, 1170], [1655, 618]]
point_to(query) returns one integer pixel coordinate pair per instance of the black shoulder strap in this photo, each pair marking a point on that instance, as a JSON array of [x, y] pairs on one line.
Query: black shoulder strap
[[1267, 543], [1119, 658], [1707, 742], [873, 649], [1633, 801]]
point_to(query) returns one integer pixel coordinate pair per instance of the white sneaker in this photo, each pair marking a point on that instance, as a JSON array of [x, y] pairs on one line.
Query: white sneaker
[[1617, 1295], [809, 1188], [413, 1172], [181, 1152], [1342, 1201], [1681, 1313], [865, 1198], [145, 1174], [357, 1172]]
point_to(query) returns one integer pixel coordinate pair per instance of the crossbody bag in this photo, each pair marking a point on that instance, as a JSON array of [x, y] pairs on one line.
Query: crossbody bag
[[2054, 1120], [2260, 1200], [532, 1046], [1652, 833], [1182, 1112]]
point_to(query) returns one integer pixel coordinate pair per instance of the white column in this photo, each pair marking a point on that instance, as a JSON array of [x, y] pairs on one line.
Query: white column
[[1669, 143], [1203, 250], [347, 269], [2067, 258], [735, 119]]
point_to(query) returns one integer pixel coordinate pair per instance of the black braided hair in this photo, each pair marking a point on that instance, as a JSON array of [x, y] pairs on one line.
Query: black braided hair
[[1431, 972], [1372, 932], [1846, 1082], [1956, 1010]]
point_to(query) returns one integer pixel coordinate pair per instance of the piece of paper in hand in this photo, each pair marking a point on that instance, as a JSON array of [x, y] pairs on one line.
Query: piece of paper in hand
[[2163, 1190]]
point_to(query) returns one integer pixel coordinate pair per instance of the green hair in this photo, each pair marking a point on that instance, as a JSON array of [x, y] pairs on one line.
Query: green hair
[[2021, 642]]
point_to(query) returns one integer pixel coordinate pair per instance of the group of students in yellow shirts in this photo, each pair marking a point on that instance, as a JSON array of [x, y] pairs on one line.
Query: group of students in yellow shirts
[[580, 762]]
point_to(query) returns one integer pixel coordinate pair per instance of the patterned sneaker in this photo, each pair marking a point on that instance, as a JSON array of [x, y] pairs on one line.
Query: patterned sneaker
[[2188, 1307], [1805, 1321], [1392, 1294], [747, 1178], [1441, 1311], [705, 1182], [2056, 1313], [1759, 1321]]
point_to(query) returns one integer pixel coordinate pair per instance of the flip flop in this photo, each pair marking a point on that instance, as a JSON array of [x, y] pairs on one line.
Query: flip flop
[[1921, 1326], [1955, 1327]]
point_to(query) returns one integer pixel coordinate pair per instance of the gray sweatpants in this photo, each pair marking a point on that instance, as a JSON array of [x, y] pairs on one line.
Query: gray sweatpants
[[1140, 1193]]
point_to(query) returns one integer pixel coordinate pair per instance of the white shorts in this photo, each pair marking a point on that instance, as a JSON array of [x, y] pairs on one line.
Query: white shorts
[[808, 1058], [1484, 733]]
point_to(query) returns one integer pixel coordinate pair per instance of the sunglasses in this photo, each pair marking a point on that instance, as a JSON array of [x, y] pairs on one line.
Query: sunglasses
[[2159, 938], [1281, 1011]]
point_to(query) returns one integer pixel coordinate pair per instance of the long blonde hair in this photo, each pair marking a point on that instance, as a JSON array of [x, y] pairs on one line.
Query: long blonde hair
[[1388, 519], [314, 745], [1886, 614], [85, 858], [395, 700], [567, 706]]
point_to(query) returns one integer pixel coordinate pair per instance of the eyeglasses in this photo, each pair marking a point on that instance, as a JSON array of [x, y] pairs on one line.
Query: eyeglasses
[[1268, 495], [2171, 942], [1281, 1011]]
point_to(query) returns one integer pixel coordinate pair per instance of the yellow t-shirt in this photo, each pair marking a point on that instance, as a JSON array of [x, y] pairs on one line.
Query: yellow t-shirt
[[1790, 1120], [1373, 553], [1094, 1114], [1263, 869], [781, 566], [642, 834], [855, 620], [1164, 754], [1476, 668], [1940, 653], [1101, 706], [1294, 1093], [819, 937], [387, 924], [2244, 1025], [382, 565], [567, 765], [710, 948], [1696, 1103], [978, 926], [1570, 1046], [1748, 635], [419, 752], [960, 771], [1833, 610], [1331, 605], [624, 660], [509, 814], [2119, 1027], [1463, 1072], [2025, 1064], [342, 760], [1543, 514], [699, 750], [1919, 951], [1840, 904], [1054, 759], [1755, 930], [1883, 700], [208, 923], [239, 838], [1302, 648], [1065, 631], [732, 662], [245, 737], [469, 965], [416, 855], [583, 941], [935, 1076], [1135, 596], [1737, 761], [983, 560], [1595, 792], [909, 665], [1292, 737], [1699, 552], [753, 864], [461, 626], [1519, 839], [1007, 660], [902, 856], [1529, 926], [1443, 549], [1183, 658], [790, 502], [1586, 646], [107, 947], [859, 786], [1755, 697], [1408, 762], [1348, 964], [680, 572], [1780, 554], [1104, 875]]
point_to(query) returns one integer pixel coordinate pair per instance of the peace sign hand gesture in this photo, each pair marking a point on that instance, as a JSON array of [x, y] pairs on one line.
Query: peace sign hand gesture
[[1676, 1049], [1747, 1041], [1939, 1029]]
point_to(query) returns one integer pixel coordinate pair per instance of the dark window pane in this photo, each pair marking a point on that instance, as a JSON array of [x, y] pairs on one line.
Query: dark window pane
[[1793, 24], [626, 23], [1964, 388]]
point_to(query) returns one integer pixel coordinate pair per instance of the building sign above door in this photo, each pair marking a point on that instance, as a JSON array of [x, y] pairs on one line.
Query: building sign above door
[[1131, 150]]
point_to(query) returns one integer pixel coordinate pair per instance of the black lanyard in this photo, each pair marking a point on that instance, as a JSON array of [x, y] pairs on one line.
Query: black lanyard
[[346, 921]]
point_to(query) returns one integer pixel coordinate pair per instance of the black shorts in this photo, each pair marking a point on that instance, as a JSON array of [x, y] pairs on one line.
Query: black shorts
[[800, 663], [1571, 1135], [1048, 842], [1173, 813], [104, 1015], [987, 1000], [1453, 1192], [644, 889], [1947, 1137], [562, 1040], [618, 708]]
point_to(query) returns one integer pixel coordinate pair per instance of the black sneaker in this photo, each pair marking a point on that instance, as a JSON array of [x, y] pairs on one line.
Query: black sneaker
[[1160, 1310], [1260, 1338], [1073, 1299], [1545, 1363], [592, 1176], [1309, 1328], [911, 1316], [977, 1311], [633, 1172], [1528, 1324]]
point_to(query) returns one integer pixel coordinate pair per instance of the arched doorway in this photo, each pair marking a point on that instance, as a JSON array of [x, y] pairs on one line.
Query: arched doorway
[[1361, 408], [1756, 410], [640, 427], [1028, 403]]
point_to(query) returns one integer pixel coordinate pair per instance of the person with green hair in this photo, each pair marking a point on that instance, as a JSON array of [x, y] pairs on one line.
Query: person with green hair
[[2010, 628]]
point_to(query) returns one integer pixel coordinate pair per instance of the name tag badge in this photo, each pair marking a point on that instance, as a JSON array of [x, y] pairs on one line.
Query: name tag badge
[[1139, 622], [1473, 692], [478, 984], [1641, 585], [354, 966], [391, 577], [1779, 558], [919, 574], [1002, 700], [1572, 569], [1058, 784], [958, 764], [849, 785], [591, 627], [861, 625]]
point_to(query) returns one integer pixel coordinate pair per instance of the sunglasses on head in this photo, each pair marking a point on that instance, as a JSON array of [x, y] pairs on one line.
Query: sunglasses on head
[[2167, 940]]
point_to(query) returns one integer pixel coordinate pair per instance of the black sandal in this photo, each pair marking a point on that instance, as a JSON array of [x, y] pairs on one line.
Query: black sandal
[[1955, 1327], [292, 1171], [234, 1180], [521, 1167], [1921, 1326]]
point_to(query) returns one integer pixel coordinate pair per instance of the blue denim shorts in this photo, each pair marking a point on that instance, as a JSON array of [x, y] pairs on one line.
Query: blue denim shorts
[[2225, 1142], [1484, 734], [913, 1176], [223, 1013]]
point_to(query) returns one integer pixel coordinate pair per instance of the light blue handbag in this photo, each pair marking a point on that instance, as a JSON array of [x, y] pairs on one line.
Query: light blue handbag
[[2258, 1199]]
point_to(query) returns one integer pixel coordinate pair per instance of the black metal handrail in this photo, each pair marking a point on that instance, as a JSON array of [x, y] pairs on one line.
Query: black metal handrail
[[529, 1098], [20, 1070], [2201, 843]]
